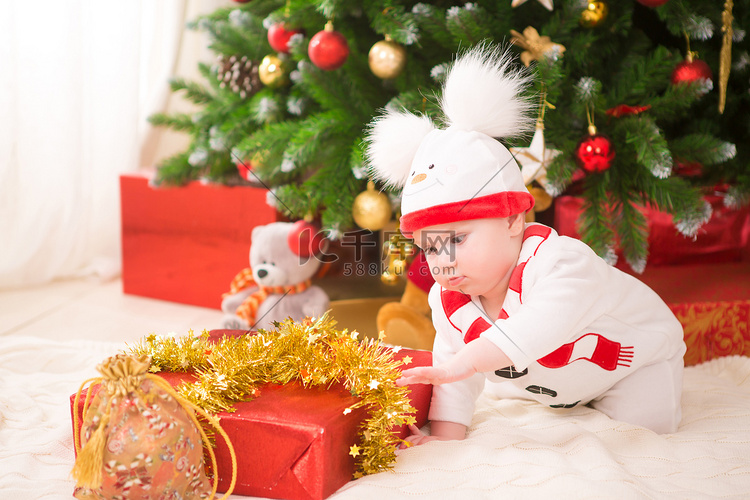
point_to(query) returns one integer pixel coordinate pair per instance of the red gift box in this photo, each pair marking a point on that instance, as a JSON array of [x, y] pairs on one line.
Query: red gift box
[[185, 244], [293, 442], [724, 238]]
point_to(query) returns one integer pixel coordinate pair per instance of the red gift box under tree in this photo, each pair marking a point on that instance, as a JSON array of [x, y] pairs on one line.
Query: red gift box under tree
[[293, 441], [185, 244], [724, 238]]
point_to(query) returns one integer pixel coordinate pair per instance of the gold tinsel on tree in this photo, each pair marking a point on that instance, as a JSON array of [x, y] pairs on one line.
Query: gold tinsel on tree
[[313, 352]]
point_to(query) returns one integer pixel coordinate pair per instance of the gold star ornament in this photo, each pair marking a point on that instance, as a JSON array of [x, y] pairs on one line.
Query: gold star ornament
[[354, 450], [536, 47]]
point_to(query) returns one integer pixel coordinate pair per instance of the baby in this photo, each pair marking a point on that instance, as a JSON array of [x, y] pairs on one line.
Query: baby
[[517, 307]]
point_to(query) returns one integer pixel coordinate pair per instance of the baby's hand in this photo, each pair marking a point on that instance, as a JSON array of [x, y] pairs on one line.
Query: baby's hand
[[416, 438], [453, 370], [424, 375], [480, 355]]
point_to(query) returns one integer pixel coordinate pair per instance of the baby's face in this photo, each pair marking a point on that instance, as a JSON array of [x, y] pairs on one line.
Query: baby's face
[[475, 257]]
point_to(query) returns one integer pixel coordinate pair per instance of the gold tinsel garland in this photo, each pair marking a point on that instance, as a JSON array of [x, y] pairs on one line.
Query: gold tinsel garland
[[313, 352]]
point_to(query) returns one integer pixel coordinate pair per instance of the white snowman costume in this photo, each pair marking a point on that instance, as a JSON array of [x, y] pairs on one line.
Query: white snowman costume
[[576, 329]]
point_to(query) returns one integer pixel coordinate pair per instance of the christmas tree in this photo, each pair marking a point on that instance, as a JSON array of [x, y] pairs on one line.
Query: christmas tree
[[640, 103]]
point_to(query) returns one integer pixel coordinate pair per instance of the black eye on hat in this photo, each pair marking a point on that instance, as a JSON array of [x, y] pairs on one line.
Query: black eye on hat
[[432, 165]]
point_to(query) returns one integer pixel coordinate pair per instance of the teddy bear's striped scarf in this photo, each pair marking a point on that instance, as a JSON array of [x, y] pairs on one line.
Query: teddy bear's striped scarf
[[249, 307]]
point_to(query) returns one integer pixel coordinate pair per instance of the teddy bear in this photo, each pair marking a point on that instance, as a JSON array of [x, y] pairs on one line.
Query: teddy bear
[[284, 257], [408, 323]]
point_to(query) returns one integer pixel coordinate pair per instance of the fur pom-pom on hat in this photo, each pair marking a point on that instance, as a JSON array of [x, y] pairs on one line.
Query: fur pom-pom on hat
[[482, 93], [462, 172], [393, 139]]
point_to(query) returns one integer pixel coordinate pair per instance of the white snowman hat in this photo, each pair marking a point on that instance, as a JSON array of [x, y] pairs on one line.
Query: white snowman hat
[[461, 172]]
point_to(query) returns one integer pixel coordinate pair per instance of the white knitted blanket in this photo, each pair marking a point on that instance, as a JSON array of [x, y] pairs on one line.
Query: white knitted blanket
[[515, 449]]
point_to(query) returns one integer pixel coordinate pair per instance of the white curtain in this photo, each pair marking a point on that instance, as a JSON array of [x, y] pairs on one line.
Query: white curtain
[[78, 79]]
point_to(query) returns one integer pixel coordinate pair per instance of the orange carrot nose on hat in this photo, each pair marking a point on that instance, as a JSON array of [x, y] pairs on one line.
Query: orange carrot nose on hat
[[462, 172]]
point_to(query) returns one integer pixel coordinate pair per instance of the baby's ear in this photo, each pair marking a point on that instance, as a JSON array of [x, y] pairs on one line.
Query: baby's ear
[[392, 141], [516, 223]]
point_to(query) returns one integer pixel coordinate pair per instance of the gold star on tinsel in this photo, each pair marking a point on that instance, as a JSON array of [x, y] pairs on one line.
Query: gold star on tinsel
[[230, 369], [381, 335], [354, 450], [535, 159], [535, 47], [407, 360], [546, 3]]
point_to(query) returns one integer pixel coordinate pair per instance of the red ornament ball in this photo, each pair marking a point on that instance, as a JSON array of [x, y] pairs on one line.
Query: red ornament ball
[[245, 170], [305, 239], [595, 153], [691, 70], [652, 3], [278, 37], [328, 49], [688, 168]]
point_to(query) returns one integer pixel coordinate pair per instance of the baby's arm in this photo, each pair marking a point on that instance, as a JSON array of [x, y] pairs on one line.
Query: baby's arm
[[452, 403], [477, 356]]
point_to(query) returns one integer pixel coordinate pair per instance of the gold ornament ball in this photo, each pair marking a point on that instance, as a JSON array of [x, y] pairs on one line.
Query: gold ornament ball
[[387, 59], [399, 267], [595, 13], [542, 199], [272, 72], [371, 209], [389, 278]]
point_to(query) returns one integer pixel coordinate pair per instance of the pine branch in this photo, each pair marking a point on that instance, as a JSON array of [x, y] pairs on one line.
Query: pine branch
[[235, 38], [174, 171], [394, 21], [178, 121], [339, 199], [642, 76], [468, 25], [270, 141], [595, 224], [328, 92], [632, 229], [703, 148], [431, 22], [673, 195], [681, 19], [324, 130], [560, 173], [650, 146], [266, 107], [195, 92], [675, 101]]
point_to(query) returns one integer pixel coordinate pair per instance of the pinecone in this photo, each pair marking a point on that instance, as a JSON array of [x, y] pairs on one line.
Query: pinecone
[[239, 74]]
